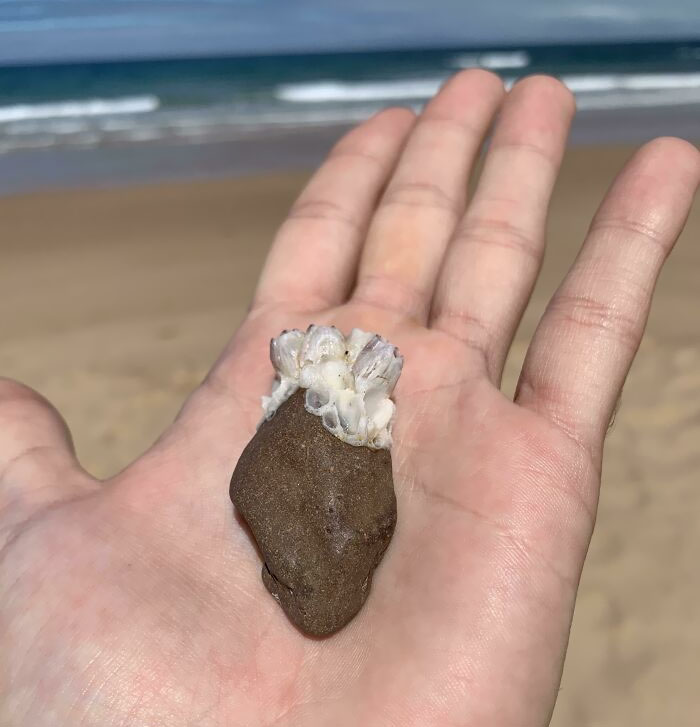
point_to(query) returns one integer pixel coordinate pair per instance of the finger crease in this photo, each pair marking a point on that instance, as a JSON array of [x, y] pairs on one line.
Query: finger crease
[[589, 313], [626, 226], [465, 328], [310, 303], [327, 210], [30, 451], [552, 405], [499, 233], [461, 126], [421, 194], [390, 294], [515, 146], [359, 155]]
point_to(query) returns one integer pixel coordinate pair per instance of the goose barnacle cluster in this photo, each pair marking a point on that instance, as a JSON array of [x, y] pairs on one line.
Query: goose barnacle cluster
[[348, 381]]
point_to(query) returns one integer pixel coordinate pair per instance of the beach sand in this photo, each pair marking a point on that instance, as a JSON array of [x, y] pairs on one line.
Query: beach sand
[[115, 302]]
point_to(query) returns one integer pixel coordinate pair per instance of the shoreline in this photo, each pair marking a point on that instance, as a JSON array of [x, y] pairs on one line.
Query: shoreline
[[277, 150]]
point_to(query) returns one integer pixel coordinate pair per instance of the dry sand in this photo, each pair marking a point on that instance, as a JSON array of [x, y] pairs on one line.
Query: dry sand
[[114, 304]]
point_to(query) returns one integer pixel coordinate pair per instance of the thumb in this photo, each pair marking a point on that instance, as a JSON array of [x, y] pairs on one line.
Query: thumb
[[37, 461]]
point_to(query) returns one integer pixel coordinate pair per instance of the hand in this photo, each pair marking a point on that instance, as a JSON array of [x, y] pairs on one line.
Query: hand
[[138, 601]]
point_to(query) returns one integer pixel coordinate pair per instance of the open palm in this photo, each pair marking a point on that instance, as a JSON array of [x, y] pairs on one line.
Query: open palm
[[138, 601]]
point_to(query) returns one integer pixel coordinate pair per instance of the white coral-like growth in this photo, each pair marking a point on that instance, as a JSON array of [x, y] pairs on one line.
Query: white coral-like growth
[[348, 381]]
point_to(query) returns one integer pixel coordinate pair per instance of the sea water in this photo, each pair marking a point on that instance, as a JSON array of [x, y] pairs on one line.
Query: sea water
[[180, 102]]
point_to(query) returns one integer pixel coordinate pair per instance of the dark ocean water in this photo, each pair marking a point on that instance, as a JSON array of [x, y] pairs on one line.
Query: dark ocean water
[[121, 105], [132, 102]]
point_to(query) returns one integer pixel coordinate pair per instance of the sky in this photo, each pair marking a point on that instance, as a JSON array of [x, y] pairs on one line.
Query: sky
[[60, 30]]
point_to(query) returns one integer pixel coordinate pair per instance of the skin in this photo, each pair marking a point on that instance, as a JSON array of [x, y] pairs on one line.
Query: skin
[[138, 600]]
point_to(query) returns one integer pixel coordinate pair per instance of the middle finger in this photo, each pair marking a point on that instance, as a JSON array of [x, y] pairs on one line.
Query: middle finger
[[424, 199], [494, 256]]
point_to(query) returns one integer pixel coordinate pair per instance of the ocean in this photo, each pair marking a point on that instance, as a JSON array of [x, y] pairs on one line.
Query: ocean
[[188, 112]]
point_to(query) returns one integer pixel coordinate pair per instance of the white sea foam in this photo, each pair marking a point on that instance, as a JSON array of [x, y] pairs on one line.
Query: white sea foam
[[88, 107], [587, 83], [339, 91], [592, 90], [494, 60]]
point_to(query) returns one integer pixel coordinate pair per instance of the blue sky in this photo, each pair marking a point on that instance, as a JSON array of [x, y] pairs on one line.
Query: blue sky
[[35, 31]]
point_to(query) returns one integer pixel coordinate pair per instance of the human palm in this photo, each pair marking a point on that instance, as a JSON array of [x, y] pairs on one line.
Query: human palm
[[138, 601]]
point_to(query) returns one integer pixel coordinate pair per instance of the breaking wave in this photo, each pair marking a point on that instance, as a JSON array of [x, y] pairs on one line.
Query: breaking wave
[[77, 109], [622, 90]]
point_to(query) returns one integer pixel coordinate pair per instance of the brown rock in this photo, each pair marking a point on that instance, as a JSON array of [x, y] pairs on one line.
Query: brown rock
[[322, 513]]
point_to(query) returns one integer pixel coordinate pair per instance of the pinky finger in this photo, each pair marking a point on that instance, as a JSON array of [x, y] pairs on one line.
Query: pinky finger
[[590, 332]]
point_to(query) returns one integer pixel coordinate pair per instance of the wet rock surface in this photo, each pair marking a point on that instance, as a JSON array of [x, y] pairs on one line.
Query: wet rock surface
[[322, 513]]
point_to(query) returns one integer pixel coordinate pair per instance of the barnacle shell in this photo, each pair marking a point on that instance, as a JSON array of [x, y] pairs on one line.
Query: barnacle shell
[[348, 381]]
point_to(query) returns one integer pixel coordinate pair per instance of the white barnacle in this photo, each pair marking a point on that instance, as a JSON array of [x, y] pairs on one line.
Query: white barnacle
[[378, 366], [355, 342], [284, 353], [348, 381], [330, 418], [322, 343], [315, 400]]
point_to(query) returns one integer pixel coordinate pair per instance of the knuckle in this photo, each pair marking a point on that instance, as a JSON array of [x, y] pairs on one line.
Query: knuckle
[[516, 145], [433, 123], [502, 233], [370, 142], [420, 195], [629, 227], [321, 209], [603, 318], [349, 150]]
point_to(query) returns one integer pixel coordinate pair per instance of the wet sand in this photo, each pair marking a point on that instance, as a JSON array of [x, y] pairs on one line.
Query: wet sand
[[115, 302]]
